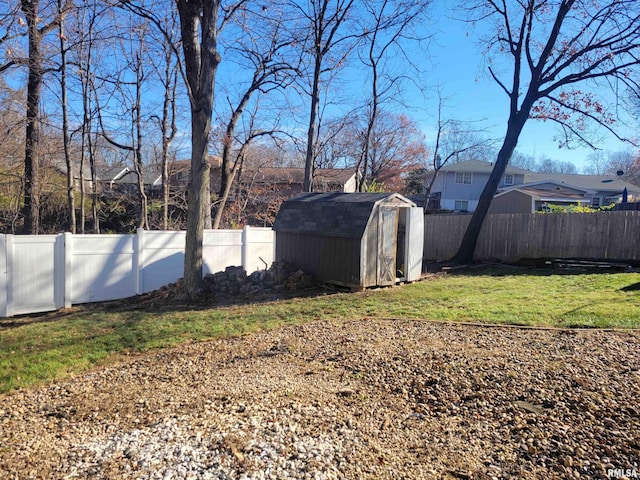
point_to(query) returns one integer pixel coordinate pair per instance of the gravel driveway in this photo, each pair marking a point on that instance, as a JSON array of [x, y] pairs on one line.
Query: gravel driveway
[[368, 399]]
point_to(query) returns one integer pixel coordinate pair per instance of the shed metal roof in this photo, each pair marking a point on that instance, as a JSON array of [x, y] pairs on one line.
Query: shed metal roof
[[333, 214]]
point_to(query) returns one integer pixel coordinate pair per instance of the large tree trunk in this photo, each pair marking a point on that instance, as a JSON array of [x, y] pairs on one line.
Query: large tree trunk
[[201, 62], [470, 239], [31, 208], [197, 191]]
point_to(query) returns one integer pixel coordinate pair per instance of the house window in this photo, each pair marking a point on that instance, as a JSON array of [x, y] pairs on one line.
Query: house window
[[461, 206], [463, 177], [595, 202], [508, 179]]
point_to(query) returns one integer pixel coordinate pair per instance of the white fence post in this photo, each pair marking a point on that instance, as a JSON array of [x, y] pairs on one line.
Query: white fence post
[[138, 260], [4, 278], [8, 248], [68, 269], [245, 247], [59, 270]]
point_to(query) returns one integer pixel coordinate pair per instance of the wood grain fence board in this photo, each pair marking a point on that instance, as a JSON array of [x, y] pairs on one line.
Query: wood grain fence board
[[510, 237]]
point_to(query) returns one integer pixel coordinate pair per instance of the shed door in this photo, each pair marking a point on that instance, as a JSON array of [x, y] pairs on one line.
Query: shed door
[[388, 227], [415, 243]]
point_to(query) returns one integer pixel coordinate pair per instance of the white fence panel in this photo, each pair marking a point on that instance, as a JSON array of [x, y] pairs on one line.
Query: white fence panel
[[47, 272], [259, 248], [161, 258], [35, 267], [221, 249], [102, 268]]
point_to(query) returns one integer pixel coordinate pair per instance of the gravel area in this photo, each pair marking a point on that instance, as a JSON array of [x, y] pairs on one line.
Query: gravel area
[[368, 399]]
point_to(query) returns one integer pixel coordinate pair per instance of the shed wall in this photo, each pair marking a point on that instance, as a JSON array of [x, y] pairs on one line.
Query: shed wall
[[331, 259]]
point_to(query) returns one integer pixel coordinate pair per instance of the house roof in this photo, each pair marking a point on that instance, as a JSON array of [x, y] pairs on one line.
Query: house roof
[[109, 174], [598, 183], [343, 215], [185, 164], [478, 166], [547, 195], [126, 175], [275, 175]]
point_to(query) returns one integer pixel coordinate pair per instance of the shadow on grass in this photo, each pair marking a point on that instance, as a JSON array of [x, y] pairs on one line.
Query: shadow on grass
[[161, 302], [634, 287], [539, 269]]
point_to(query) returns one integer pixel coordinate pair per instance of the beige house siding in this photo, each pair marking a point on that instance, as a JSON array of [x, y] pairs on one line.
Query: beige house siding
[[512, 202]]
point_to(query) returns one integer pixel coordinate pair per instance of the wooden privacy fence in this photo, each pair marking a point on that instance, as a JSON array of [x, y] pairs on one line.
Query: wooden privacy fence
[[40, 273], [511, 237]]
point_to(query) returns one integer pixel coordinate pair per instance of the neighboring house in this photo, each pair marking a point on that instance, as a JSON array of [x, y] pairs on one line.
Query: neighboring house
[[288, 182], [119, 180], [459, 186], [258, 192], [125, 180], [535, 197], [601, 190]]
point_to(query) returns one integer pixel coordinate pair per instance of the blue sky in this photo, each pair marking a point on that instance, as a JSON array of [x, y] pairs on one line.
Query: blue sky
[[456, 65]]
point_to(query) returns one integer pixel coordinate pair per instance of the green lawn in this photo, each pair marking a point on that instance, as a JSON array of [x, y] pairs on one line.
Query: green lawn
[[39, 349]]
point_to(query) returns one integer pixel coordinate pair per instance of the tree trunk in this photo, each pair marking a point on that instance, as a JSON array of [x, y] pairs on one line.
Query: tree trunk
[[310, 158], [197, 191], [143, 219], [71, 205], [31, 208], [227, 190], [470, 239], [169, 130], [198, 25]]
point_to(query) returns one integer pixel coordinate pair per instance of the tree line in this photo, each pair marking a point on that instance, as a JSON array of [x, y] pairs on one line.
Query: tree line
[[93, 83]]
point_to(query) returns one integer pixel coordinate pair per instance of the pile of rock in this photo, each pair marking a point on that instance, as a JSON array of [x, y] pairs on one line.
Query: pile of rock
[[280, 276]]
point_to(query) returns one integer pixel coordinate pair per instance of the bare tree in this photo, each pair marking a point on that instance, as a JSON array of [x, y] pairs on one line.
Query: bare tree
[[454, 139], [625, 163], [324, 21], [167, 122], [129, 94], [12, 133], [200, 24], [165, 61], [85, 55], [71, 201], [238, 163], [387, 25], [266, 46], [556, 51], [37, 30], [549, 165], [596, 163]]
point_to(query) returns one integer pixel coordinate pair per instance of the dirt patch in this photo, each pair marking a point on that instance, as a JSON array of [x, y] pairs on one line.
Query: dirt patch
[[377, 399]]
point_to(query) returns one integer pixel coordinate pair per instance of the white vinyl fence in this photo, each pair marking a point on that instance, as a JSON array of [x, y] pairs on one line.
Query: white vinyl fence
[[40, 273]]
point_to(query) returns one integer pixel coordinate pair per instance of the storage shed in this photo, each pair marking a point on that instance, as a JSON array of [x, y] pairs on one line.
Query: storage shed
[[357, 240]]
